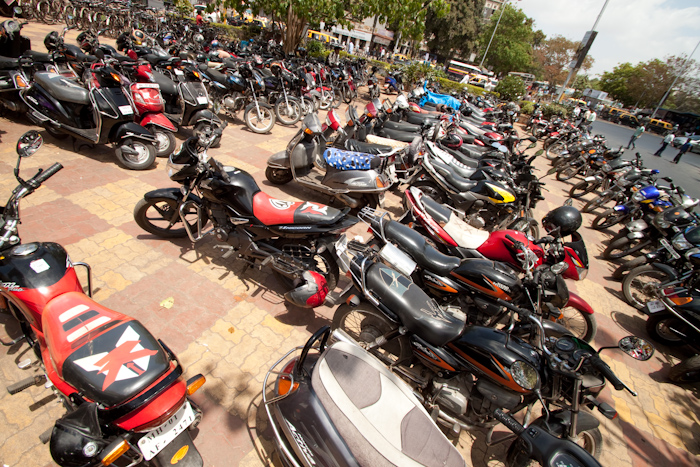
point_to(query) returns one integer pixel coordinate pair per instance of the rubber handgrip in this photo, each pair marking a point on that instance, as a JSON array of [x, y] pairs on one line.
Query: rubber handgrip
[[607, 372], [48, 173]]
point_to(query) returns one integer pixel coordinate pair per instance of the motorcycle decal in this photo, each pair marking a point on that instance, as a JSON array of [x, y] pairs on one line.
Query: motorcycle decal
[[435, 283], [129, 359], [313, 208], [306, 452], [435, 312], [501, 376], [431, 357], [12, 286], [500, 195], [40, 265], [280, 204], [395, 280], [494, 291]]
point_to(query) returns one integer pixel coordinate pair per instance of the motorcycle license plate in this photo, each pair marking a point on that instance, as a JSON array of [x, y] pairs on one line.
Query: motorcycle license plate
[[154, 442], [179, 72], [669, 248], [202, 100], [382, 196], [126, 110], [341, 251], [654, 306], [392, 173]]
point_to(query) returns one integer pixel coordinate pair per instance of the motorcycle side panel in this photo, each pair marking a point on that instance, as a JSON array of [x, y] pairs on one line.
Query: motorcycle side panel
[[238, 193], [279, 160], [496, 247], [39, 99], [351, 180], [130, 130]]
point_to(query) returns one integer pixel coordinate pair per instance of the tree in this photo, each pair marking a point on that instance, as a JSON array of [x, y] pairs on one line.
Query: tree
[[457, 33], [408, 16], [510, 88], [616, 83], [553, 56], [511, 48]]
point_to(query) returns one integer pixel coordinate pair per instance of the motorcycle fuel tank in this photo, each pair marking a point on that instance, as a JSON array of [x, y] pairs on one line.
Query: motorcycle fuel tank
[[495, 279]]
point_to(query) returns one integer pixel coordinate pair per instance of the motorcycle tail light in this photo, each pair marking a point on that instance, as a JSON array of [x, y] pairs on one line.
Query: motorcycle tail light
[[680, 300], [114, 452], [380, 182], [116, 77], [285, 384], [194, 383], [20, 82]]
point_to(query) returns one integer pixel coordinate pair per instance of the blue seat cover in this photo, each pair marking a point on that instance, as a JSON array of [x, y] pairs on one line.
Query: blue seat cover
[[348, 160]]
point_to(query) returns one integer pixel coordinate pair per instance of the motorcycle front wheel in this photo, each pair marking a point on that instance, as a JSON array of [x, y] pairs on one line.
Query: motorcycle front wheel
[[288, 113], [365, 324], [607, 219], [518, 452], [206, 128], [161, 217], [259, 122], [687, 371], [582, 188], [581, 324], [165, 141], [278, 176], [144, 158], [659, 328]]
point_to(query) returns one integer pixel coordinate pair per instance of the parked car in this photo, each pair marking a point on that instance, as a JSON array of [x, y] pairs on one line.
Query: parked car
[[659, 126], [679, 141]]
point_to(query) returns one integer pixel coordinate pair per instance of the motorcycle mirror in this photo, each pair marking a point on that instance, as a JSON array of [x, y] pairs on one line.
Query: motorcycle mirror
[[568, 202], [551, 171], [29, 143], [17, 10], [559, 268], [532, 139], [636, 347], [539, 153]]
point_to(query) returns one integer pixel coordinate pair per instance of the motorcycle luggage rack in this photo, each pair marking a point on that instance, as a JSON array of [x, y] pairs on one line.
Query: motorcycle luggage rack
[[183, 212]]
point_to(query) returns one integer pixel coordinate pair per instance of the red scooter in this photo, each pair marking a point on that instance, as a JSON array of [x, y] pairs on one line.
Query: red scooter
[[123, 388]]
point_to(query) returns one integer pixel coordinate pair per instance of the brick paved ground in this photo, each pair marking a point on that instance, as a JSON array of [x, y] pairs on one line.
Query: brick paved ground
[[231, 326]]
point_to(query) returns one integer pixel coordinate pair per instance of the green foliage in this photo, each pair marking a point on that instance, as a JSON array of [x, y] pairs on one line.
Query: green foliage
[[526, 107], [552, 58], [551, 110], [447, 86], [510, 88], [183, 7], [315, 48], [416, 72], [511, 49], [209, 8], [457, 32]]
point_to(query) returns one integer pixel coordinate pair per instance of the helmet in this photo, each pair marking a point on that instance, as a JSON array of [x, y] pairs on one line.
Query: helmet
[[138, 36], [566, 218], [214, 44], [311, 293], [88, 41], [122, 41], [198, 38], [452, 141], [51, 41], [168, 39]]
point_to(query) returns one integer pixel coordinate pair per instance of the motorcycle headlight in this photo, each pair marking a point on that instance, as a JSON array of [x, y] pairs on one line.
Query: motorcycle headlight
[[638, 197], [525, 375], [660, 222], [680, 243]]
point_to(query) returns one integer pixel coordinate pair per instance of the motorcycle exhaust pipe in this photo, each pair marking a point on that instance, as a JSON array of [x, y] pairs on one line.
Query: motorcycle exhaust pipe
[[350, 201], [10, 105]]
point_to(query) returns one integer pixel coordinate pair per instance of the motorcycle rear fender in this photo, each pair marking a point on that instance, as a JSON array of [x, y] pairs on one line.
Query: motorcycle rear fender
[[191, 458], [170, 193], [279, 160], [579, 303], [159, 120], [204, 115], [130, 130], [672, 273]]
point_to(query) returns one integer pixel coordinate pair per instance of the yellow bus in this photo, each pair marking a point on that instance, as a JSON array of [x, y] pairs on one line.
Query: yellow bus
[[323, 37]]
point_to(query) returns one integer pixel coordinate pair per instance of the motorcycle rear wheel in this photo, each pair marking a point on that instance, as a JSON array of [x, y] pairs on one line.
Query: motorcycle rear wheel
[[582, 188], [568, 172], [261, 122], [641, 283], [165, 141], [607, 219], [590, 440], [143, 160], [288, 113], [687, 371], [595, 203], [431, 189], [658, 329], [365, 324], [160, 217], [278, 176], [621, 247]]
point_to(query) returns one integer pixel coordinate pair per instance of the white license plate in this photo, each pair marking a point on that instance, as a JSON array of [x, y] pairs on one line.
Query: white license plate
[[179, 72], [382, 195], [669, 248], [126, 110], [654, 306], [392, 172], [202, 100], [154, 442]]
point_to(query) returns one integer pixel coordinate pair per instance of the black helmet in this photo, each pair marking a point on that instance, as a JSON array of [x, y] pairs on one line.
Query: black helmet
[[452, 141], [88, 41], [122, 41], [566, 218], [51, 41]]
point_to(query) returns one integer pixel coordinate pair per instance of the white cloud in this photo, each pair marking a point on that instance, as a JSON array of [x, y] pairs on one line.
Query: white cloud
[[628, 31]]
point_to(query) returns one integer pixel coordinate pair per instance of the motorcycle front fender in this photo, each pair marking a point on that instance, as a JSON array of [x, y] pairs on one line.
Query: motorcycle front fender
[[170, 193], [279, 160], [204, 115], [159, 120], [131, 130], [579, 303], [672, 273], [173, 453], [560, 420]]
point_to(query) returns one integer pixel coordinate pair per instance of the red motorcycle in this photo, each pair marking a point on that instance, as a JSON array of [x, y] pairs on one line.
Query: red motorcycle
[[123, 389]]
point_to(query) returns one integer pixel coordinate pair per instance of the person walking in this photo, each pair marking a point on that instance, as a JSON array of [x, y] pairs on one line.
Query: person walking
[[577, 112], [637, 133], [350, 47], [683, 150], [668, 139]]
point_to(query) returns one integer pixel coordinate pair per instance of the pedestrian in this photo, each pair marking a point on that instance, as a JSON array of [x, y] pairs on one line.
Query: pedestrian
[[683, 150], [351, 47], [200, 20], [367, 50], [381, 53], [577, 112], [668, 139], [637, 133]]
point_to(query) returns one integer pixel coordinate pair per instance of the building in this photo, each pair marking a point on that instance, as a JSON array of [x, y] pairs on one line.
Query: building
[[490, 7]]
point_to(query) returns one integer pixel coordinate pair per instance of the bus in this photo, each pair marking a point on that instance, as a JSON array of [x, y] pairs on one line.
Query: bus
[[323, 37], [528, 78], [458, 71]]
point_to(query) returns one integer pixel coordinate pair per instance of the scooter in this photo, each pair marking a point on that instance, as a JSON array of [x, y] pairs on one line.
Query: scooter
[[355, 179], [126, 398], [347, 421], [102, 113]]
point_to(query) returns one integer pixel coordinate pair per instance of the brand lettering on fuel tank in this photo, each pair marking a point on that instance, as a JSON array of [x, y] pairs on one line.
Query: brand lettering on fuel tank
[[12, 286]]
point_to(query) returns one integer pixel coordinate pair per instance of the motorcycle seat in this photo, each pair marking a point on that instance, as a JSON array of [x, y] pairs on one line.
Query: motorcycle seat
[[419, 313], [402, 126], [378, 140], [107, 356], [8, 63], [460, 183], [167, 86], [417, 246], [216, 76], [376, 414], [348, 160], [469, 162], [368, 148], [154, 59], [61, 88], [404, 136], [419, 119], [39, 56], [271, 211]]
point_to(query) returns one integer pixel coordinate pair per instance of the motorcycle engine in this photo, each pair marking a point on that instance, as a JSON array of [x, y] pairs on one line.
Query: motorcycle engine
[[452, 393], [476, 221], [232, 100]]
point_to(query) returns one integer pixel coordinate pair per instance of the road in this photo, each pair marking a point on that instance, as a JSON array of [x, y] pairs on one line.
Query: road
[[685, 174]]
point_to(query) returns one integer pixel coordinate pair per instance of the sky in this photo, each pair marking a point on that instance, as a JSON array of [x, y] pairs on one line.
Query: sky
[[629, 30]]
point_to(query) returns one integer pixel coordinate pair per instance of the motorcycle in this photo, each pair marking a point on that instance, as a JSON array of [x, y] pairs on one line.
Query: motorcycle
[[295, 239], [101, 113], [319, 377], [463, 373], [123, 389]]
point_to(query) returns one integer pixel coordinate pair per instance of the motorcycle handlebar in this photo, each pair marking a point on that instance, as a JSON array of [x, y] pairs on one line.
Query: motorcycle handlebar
[[44, 175], [607, 372]]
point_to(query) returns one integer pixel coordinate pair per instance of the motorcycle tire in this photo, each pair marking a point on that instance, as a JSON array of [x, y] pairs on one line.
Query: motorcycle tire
[[581, 324], [326, 102], [658, 325], [161, 217], [620, 272], [278, 176], [262, 122], [582, 188], [307, 106], [554, 150], [165, 141], [640, 284], [323, 263], [567, 173], [607, 219], [595, 203], [347, 93], [207, 127], [622, 247], [518, 452], [288, 113], [431, 189], [687, 371], [143, 160], [365, 324]]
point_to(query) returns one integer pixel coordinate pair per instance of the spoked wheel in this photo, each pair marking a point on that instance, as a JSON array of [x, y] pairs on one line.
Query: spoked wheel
[[365, 324], [660, 328], [581, 324], [289, 112], [687, 371], [165, 141], [582, 188], [641, 285], [518, 452], [554, 150], [302, 251], [327, 100], [628, 266], [259, 121], [607, 219], [621, 247], [567, 173], [595, 203], [161, 217]]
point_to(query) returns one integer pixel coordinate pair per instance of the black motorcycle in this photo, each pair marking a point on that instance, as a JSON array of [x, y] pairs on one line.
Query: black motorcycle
[[297, 240]]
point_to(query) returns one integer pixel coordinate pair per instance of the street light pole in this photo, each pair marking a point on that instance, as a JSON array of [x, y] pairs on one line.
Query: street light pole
[[674, 81], [503, 8]]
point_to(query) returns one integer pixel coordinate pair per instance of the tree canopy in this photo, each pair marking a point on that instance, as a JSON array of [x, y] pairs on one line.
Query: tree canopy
[[511, 48], [457, 32], [553, 56]]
